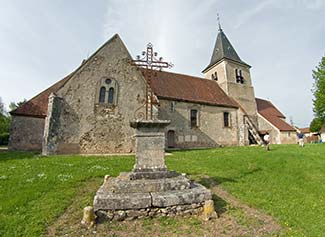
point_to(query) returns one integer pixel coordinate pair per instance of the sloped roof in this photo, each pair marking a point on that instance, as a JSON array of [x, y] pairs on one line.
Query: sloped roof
[[273, 115], [182, 87], [223, 49], [37, 106], [305, 130]]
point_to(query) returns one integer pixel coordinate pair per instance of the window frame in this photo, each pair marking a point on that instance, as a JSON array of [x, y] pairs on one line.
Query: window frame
[[111, 94], [172, 107], [102, 95], [226, 123], [194, 121], [239, 76], [110, 99]]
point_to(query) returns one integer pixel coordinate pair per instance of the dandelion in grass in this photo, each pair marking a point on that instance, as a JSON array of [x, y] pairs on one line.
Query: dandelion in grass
[[30, 180], [97, 167], [3, 177], [41, 175], [64, 177]]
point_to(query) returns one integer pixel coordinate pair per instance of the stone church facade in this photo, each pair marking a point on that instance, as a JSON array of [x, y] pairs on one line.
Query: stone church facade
[[90, 110]]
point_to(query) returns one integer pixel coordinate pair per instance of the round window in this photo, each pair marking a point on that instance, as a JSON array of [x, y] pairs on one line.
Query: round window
[[108, 81]]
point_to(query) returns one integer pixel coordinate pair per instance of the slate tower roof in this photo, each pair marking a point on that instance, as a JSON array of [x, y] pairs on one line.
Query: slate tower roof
[[223, 50]]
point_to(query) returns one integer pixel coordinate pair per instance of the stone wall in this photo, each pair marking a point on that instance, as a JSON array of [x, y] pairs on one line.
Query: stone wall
[[242, 93], [274, 132], [210, 131], [26, 133], [277, 136], [87, 126], [177, 210], [288, 137]]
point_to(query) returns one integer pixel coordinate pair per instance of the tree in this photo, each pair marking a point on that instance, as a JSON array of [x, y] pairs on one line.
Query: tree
[[4, 119], [316, 125], [13, 105], [319, 90], [2, 107]]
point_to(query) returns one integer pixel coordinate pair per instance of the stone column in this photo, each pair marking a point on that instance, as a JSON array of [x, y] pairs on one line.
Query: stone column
[[52, 124], [150, 149]]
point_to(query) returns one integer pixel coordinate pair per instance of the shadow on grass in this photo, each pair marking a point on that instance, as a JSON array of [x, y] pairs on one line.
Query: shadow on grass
[[16, 155], [210, 182], [220, 205]]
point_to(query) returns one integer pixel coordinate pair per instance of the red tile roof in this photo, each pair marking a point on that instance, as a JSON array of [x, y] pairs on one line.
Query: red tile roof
[[165, 85], [273, 115], [305, 130], [37, 106], [182, 87]]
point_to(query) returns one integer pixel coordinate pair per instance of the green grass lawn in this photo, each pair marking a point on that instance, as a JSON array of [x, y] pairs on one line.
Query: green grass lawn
[[288, 183]]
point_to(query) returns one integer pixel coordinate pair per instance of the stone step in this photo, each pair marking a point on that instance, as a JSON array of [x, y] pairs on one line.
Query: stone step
[[123, 184], [106, 200], [196, 194]]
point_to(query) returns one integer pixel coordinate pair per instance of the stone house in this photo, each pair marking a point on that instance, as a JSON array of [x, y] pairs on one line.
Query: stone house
[[90, 110], [272, 120]]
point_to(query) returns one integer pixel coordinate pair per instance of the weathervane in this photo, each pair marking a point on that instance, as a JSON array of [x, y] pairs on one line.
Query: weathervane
[[219, 23], [150, 62]]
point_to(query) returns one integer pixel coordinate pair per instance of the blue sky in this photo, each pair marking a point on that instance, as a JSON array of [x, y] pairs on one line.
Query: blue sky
[[41, 41]]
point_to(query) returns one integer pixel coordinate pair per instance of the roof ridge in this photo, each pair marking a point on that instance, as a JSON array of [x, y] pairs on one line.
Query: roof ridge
[[65, 79]]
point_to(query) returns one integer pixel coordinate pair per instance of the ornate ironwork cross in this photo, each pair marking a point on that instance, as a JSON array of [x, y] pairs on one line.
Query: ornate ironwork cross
[[150, 62]]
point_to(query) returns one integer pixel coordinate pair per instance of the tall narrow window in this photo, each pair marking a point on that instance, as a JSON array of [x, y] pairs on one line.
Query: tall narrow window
[[239, 76], [102, 93], [194, 118], [226, 119], [111, 95], [172, 106]]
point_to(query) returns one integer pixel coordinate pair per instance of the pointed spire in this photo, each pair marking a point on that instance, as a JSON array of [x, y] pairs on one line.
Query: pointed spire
[[223, 50]]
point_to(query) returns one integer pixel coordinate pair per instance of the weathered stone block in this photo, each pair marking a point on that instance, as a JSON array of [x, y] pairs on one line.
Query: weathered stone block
[[150, 144], [119, 185], [115, 201], [208, 210], [196, 194], [89, 217]]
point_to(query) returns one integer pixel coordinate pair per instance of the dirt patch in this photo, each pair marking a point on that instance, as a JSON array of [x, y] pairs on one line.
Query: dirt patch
[[234, 219]]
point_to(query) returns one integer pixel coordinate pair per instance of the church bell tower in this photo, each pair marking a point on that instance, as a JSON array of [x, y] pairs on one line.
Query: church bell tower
[[232, 74]]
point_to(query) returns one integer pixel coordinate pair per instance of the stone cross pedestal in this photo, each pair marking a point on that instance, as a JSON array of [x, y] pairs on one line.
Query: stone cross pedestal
[[150, 150], [150, 189]]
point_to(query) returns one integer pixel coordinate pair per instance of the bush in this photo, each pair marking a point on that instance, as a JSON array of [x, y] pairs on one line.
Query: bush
[[4, 138]]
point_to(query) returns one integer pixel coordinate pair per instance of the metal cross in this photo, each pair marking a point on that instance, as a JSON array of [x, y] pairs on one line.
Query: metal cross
[[150, 62]]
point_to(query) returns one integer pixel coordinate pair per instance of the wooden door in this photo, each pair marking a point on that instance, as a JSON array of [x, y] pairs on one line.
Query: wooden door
[[171, 139]]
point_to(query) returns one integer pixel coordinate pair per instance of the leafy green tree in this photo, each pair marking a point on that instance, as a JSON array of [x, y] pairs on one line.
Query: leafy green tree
[[13, 105], [319, 90], [2, 107], [4, 124], [316, 125]]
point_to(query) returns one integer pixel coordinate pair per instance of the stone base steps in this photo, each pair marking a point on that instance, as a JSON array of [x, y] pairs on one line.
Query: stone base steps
[[121, 196]]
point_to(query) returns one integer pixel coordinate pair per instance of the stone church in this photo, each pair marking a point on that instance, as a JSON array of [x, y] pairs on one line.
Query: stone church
[[89, 111]]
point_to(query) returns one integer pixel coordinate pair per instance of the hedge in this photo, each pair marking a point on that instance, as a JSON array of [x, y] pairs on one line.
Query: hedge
[[4, 138]]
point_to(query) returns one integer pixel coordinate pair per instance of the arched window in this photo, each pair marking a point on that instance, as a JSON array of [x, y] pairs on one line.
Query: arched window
[[102, 93], [107, 93], [111, 95]]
